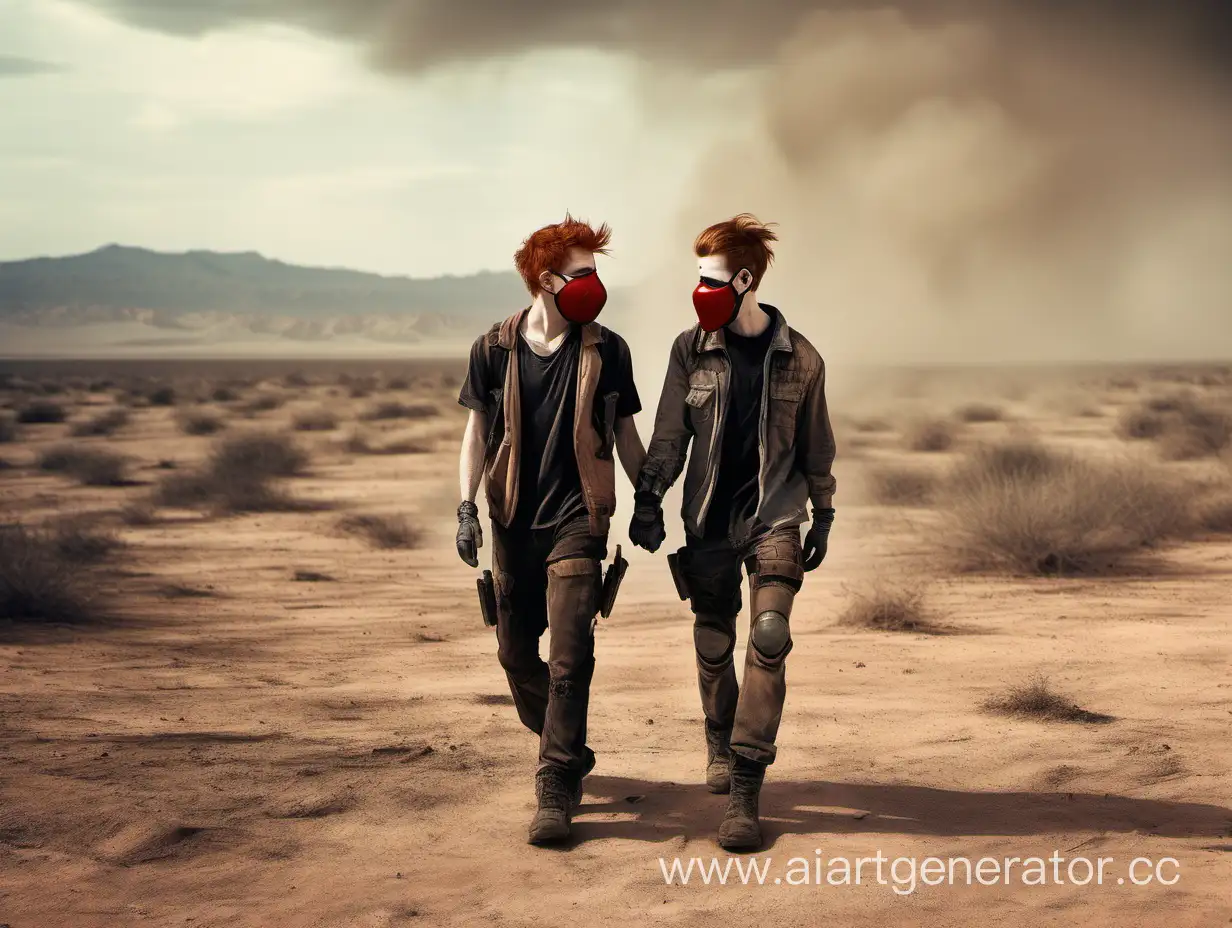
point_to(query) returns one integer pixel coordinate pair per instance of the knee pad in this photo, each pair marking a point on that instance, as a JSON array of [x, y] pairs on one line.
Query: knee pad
[[771, 636], [714, 646]]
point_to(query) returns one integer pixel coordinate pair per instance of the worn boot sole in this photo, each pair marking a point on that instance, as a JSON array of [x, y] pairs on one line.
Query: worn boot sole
[[548, 829]]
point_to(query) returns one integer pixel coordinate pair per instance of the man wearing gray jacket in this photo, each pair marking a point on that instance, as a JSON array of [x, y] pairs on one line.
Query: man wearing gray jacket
[[748, 392]]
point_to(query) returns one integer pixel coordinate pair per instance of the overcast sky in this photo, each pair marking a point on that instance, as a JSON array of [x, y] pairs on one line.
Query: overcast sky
[[266, 137]]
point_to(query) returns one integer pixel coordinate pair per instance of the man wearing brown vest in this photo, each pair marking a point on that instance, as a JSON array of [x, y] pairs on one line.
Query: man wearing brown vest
[[551, 396]]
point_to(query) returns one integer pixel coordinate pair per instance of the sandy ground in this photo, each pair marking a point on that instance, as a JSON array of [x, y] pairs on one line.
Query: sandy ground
[[241, 749]]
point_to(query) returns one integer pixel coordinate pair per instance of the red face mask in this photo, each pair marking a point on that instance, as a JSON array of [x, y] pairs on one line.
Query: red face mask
[[581, 299], [717, 304]]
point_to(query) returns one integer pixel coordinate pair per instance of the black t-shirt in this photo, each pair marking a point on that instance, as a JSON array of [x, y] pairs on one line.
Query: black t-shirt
[[549, 485], [735, 497]]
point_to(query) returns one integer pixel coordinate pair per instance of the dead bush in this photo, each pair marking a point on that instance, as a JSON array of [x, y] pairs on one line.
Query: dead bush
[[895, 485], [106, 423], [81, 539], [201, 422], [359, 443], [161, 396], [239, 476], [42, 412], [1187, 426], [92, 467], [224, 394], [8, 429], [397, 383], [265, 402], [315, 420], [265, 454], [37, 583], [980, 412], [296, 380], [393, 409], [138, 513], [930, 435], [871, 424], [888, 608], [1035, 699], [1029, 510], [381, 531], [1215, 514]]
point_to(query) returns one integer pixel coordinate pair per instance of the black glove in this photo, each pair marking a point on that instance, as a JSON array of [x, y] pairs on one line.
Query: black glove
[[818, 538], [646, 528], [470, 533]]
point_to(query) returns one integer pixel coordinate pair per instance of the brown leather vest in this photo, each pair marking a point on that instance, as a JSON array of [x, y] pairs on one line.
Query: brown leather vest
[[598, 474]]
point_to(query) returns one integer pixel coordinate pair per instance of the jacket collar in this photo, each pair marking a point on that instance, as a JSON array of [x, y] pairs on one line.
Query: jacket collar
[[717, 340], [592, 332]]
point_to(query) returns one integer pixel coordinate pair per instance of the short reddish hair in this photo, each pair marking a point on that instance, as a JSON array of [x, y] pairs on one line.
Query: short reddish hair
[[743, 240], [547, 248]]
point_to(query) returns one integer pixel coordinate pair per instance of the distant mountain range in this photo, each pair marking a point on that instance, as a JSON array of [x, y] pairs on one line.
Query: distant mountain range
[[127, 300]]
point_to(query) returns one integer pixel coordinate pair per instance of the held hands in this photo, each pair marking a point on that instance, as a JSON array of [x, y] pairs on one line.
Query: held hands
[[818, 538], [646, 529], [470, 533]]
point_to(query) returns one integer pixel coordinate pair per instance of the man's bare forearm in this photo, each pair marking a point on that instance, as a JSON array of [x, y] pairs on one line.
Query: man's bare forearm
[[470, 461], [630, 448]]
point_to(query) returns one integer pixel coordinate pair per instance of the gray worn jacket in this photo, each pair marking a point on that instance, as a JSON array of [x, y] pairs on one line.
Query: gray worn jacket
[[796, 441]]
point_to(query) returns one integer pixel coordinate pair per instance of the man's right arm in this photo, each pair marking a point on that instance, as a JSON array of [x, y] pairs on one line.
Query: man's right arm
[[471, 459]]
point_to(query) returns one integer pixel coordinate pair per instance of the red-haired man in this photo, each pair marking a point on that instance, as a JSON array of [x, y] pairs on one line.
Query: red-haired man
[[749, 392], [551, 396]]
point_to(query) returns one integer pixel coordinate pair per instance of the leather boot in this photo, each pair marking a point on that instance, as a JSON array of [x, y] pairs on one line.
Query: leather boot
[[554, 791], [576, 798], [718, 759], [741, 829]]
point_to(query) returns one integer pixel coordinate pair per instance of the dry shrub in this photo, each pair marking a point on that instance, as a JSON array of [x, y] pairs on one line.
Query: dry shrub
[[239, 476], [1026, 509], [930, 435], [161, 396], [105, 423], [267, 454], [296, 380], [1187, 426], [393, 409], [871, 424], [201, 422], [397, 383], [894, 485], [1215, 514], [312, 576], [205, 490], [265, 402], [81, 539], [315, 420], [92, 467], [888, 608], [382, 531], [37, 582], [224, 394], [980, 412], [359, 443], [138, 513], [42, 412], [1035, 699], [8, 429]]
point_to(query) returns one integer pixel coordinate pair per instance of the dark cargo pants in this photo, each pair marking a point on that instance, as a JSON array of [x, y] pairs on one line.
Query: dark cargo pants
[[549, 580], [774, 564]]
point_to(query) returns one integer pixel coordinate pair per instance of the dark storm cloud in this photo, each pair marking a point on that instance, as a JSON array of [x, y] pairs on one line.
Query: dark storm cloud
[[14, 66], [412, 35]]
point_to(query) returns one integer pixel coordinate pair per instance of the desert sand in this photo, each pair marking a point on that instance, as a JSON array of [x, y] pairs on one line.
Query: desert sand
[[231, 746]]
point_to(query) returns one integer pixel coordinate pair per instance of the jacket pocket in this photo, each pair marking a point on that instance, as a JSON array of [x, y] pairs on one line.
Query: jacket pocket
[[785, 397], [702, 386]]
